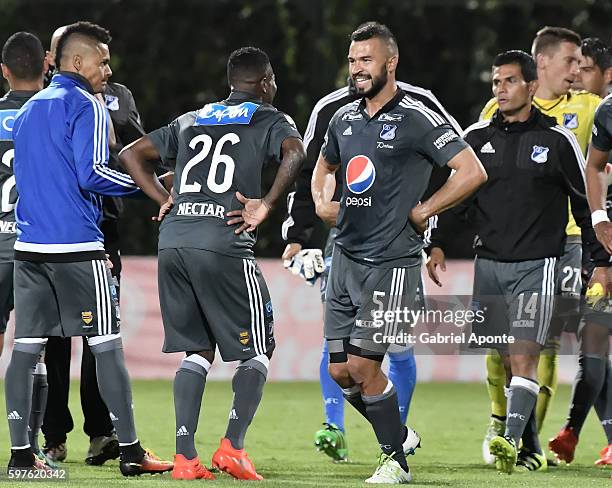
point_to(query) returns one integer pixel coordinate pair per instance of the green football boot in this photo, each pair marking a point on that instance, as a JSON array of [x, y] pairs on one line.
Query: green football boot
[[332, 441], [530, 461], [504, 450]]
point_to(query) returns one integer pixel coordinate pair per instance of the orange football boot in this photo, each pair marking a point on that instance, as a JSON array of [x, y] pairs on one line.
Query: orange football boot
[[564, 444], [234, 462], [190, 469], [605, 456]]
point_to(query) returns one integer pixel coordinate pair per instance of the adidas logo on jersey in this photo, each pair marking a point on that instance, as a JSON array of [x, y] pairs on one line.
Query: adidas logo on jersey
[[14, 415], [182, 431], [348, 131], [113, 417], [232, 414], [488, 149]]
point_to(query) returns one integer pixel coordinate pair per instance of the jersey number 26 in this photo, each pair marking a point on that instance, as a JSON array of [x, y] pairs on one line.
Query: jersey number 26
[[217, 159]]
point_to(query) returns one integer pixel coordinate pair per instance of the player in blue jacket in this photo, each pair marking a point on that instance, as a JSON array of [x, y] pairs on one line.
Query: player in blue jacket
[[62, 285]]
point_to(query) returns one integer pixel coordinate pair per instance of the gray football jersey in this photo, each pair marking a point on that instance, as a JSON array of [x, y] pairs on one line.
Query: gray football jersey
[[602, 125], [9, 106], [386, 161], [217, 151]]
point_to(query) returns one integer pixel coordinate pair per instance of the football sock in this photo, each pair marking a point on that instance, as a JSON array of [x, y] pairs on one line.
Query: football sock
[[353, 396], [531, 442], [115, 389], [547, 378], [587, 387], [521, 402], [496, 380], [40, 389], [385, 419], [332, 393], [603, 403], [247, 384], [18, 391], [189, 384], [402, 373]]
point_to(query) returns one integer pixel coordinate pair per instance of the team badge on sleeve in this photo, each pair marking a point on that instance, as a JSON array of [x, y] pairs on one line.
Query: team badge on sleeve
[[539, 154], [570, 121]]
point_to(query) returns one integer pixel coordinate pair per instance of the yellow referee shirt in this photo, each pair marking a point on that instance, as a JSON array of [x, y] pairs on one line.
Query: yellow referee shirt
[[574, 111]]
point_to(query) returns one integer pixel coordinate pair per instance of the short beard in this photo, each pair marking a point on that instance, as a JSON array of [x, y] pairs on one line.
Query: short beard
[[378, 83]]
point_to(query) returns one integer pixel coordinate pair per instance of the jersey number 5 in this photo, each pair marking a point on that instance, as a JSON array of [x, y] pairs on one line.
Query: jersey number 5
[[5, 204], [217, 159]]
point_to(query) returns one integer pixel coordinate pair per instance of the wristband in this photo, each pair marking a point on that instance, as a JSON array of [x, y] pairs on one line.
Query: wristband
[[599, 216]]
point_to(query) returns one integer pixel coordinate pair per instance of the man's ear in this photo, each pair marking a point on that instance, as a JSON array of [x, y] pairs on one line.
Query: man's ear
[[533, 87], [77, 62], [608, 76], [392, 63], [5, 71]]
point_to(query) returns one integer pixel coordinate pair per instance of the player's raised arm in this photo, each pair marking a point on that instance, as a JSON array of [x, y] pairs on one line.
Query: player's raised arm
[[469, 174], [139, 159], [323, 186]]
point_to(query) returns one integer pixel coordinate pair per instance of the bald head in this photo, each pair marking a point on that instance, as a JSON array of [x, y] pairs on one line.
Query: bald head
[[54, 40]]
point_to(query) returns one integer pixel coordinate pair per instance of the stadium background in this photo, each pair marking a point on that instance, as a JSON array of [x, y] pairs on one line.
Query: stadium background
[[172, 54]]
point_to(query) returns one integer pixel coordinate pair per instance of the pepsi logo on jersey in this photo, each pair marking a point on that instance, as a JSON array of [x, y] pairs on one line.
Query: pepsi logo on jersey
[[360, 176]]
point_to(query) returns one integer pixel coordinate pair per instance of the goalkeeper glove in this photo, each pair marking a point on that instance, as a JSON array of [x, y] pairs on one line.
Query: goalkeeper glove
[[308, 263]]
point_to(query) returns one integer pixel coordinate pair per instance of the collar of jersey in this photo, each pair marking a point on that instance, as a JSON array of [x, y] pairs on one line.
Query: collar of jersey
[[61, 77], [387, 107], [20, 94], [547, 105], [499, 121], [240, 96]]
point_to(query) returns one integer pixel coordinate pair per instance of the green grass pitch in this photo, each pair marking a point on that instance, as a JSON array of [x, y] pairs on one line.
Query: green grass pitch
[[451, 418]]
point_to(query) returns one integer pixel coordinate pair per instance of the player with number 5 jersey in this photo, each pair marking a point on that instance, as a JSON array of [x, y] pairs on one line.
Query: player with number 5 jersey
[[212, 293]]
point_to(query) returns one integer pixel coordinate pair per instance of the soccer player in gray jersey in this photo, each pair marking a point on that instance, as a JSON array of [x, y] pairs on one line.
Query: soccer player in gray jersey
[[212, 293], [594, 369], [595, 388], [23, 66], [386, 144]]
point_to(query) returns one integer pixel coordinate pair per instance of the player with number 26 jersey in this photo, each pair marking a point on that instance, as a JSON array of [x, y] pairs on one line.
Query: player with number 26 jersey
[[219, 150]]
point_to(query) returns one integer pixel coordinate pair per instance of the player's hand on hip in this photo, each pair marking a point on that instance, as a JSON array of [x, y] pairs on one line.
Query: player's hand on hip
[[436, 258], [253, 213], [603, 231], [328, 212], [419, 219], [164, 209]]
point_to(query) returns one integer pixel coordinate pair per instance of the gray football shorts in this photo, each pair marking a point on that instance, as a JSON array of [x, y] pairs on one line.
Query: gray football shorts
[[210, 300], [6, 294], [362, 307], [65, 299], [516, 299], [569, 285]]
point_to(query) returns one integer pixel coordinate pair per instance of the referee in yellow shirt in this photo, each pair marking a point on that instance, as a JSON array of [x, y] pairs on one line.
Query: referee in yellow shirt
[[556, 51]]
